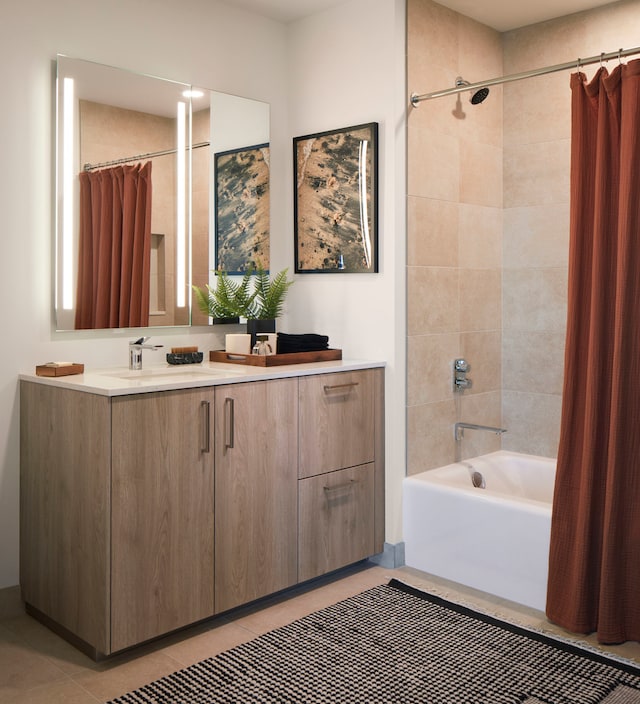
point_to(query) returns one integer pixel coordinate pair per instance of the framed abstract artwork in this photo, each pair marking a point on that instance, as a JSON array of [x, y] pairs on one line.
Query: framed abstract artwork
[[241, 179], [336, 201]]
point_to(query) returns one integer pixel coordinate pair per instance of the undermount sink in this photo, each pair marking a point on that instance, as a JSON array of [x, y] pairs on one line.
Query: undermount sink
[[176, 373]]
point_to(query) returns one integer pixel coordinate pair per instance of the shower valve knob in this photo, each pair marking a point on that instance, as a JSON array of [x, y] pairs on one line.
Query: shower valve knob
[[460, 369]]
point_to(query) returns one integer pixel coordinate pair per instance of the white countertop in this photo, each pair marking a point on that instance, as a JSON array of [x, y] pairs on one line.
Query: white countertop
[[120, 381]]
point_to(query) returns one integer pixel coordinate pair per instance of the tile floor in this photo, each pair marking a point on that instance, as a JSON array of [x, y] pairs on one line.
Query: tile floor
[[38, 667]]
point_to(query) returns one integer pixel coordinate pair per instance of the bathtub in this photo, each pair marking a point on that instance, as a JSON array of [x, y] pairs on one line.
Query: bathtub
[[496, 538]]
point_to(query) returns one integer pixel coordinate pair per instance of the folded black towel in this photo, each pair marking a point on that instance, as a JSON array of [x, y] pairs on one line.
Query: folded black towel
[[308, 342]]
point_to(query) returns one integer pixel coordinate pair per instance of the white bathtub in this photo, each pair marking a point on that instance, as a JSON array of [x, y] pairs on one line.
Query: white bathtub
[[495, 539]]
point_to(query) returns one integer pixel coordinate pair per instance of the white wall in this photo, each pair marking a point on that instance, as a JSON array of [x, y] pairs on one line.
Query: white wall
[[347, 67], [356, 75]]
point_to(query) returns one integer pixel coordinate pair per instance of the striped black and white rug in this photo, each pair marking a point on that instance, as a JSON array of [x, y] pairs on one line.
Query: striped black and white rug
[[395, 644]]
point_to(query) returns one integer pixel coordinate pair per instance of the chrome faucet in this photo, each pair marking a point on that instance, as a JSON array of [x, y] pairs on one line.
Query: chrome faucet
[[459, 429], [135, 351]]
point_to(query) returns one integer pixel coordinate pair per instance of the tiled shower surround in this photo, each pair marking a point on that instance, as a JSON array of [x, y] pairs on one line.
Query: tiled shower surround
[[488, 225]]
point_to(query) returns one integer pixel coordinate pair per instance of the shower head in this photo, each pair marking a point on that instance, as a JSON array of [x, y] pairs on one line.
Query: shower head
[[478, 96]]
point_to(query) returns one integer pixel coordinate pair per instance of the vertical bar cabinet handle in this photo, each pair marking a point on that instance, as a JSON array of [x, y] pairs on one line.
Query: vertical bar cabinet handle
[[206, 426], [229, 422]]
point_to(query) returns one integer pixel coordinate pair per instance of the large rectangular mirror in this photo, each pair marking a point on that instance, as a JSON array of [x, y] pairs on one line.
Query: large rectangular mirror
[[136, 210]]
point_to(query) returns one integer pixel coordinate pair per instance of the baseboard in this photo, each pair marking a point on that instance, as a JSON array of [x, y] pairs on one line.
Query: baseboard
[[391, 557], [11, 602]]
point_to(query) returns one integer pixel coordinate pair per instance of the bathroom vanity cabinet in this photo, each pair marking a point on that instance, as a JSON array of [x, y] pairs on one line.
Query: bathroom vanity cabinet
[[144, 512]]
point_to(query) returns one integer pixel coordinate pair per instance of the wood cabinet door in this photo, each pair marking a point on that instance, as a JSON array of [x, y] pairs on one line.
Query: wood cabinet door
[[162, 513], [336, 421], [336, 520], [256, 490]]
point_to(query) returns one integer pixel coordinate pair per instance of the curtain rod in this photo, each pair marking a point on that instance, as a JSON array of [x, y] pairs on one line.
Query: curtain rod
[[138, 157], [415, 98]]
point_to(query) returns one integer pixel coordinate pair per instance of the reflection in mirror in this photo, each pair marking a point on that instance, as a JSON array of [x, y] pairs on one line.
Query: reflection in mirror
[[114, 120], [123, 173], [231, 123]]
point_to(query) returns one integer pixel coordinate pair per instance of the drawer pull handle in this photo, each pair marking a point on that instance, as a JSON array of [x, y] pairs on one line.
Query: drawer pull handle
[[340, 387], [228, 423], [206, 426], [340, 487]]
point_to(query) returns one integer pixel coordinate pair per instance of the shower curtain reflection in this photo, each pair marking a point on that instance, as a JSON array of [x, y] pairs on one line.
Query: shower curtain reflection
[[114, 248], [594, 571]]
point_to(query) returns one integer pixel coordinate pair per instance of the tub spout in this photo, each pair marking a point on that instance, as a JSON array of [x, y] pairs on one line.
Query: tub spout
[[460, 427]]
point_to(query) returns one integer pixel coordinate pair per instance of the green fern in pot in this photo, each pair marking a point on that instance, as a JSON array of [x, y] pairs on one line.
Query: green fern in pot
[[228, 301], [268, 296], [267, 303], [231, 300]]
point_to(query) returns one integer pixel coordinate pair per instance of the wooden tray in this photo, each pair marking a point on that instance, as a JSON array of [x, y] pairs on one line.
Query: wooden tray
[[53, 369], [274, 360]]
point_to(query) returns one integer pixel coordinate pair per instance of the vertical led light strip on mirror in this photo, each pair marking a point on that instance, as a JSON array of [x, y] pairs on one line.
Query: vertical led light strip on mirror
[[68, 188], [180, 206]]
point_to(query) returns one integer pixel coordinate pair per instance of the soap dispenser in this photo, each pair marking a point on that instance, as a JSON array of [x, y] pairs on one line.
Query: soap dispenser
[[262, 345]]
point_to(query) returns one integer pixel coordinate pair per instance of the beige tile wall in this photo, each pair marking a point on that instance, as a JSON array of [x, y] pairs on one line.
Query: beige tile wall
[[488, 225], [537, 132], [454, 244]]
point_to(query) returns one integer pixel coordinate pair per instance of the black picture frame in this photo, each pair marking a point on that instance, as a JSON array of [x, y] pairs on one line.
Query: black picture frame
[[242, 204], [336, 201]]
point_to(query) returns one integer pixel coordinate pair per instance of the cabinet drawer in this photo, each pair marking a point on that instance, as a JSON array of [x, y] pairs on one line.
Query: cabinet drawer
[[336, 421], [336, 520]]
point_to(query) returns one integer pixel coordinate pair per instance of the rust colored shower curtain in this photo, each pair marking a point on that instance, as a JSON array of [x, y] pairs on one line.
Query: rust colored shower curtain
[[115, 248], [594, 561]]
